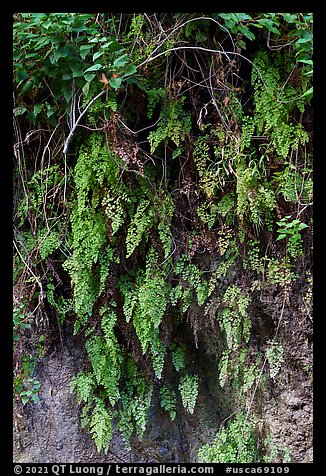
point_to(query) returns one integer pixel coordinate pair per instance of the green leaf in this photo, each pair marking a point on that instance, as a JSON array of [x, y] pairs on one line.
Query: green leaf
[[243, 16], [76, 69], [95, 67], [308, 94], [115, 82], [121, 61], [306, 61], [280, 237], [97, 55], [86, 89], [269, 24], [245, 30], [296, 237], [25, 400], [84, 50], [289, 18], [89, 77], [37, 109], [131, 69], [21, 74], [18, 111], [302, 226]]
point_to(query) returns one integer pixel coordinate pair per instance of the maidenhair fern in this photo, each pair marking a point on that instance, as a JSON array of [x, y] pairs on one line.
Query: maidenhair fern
[[234, 444], [188, 388], [100, 425], [139, 226], [178, 356], [168, 400]]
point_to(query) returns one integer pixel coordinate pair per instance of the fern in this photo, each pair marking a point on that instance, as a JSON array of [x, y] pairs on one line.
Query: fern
[[188, 388], [136, 397], [158, 354], [234, 318], [178, 356], [100, 425], [168, 401], [140, 224], [234, 444], [106, 359], [174, 124], [84, 385]]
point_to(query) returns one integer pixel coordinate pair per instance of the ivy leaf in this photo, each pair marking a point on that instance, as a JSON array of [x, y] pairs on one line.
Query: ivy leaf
[[121, 61], [18, 111], [131, 69], [308, 94], [115, 82], [89, 77], [25, 400], [280, 237], [84, 50], [97, 55], [269, 24], [302, 226], [245, 30], [94, 67]]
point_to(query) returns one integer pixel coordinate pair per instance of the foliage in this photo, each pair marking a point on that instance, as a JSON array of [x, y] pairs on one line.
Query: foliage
[[59, 49], [188, 387], [234, 444], [189, 162], [275, 452], [173, 125], [26, 387], [291, 229], [275, 357], [168, 401], [178, 356]]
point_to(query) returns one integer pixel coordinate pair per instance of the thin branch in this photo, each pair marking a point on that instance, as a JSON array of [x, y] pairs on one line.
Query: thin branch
[[71, 133]]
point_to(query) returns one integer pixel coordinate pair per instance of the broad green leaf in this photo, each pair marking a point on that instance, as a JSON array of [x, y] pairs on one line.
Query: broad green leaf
[[308, 94], [245, 30], [115, 82], [18, 111], [86, 89], [243, 16], [269, 24], [76, 70], [296, 237], [67, 92], [21, 75], [121, 61], [25, 400], [306, 61], [95, 67], [229, 23], [280, 237], [131, 69], [97, 55], [84, 50], [302, 226], [61, 52], [289, 18], [89, 77], [37, 109]]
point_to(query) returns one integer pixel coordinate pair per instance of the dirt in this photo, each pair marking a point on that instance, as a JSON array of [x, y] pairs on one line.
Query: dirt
[[50, 432]]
